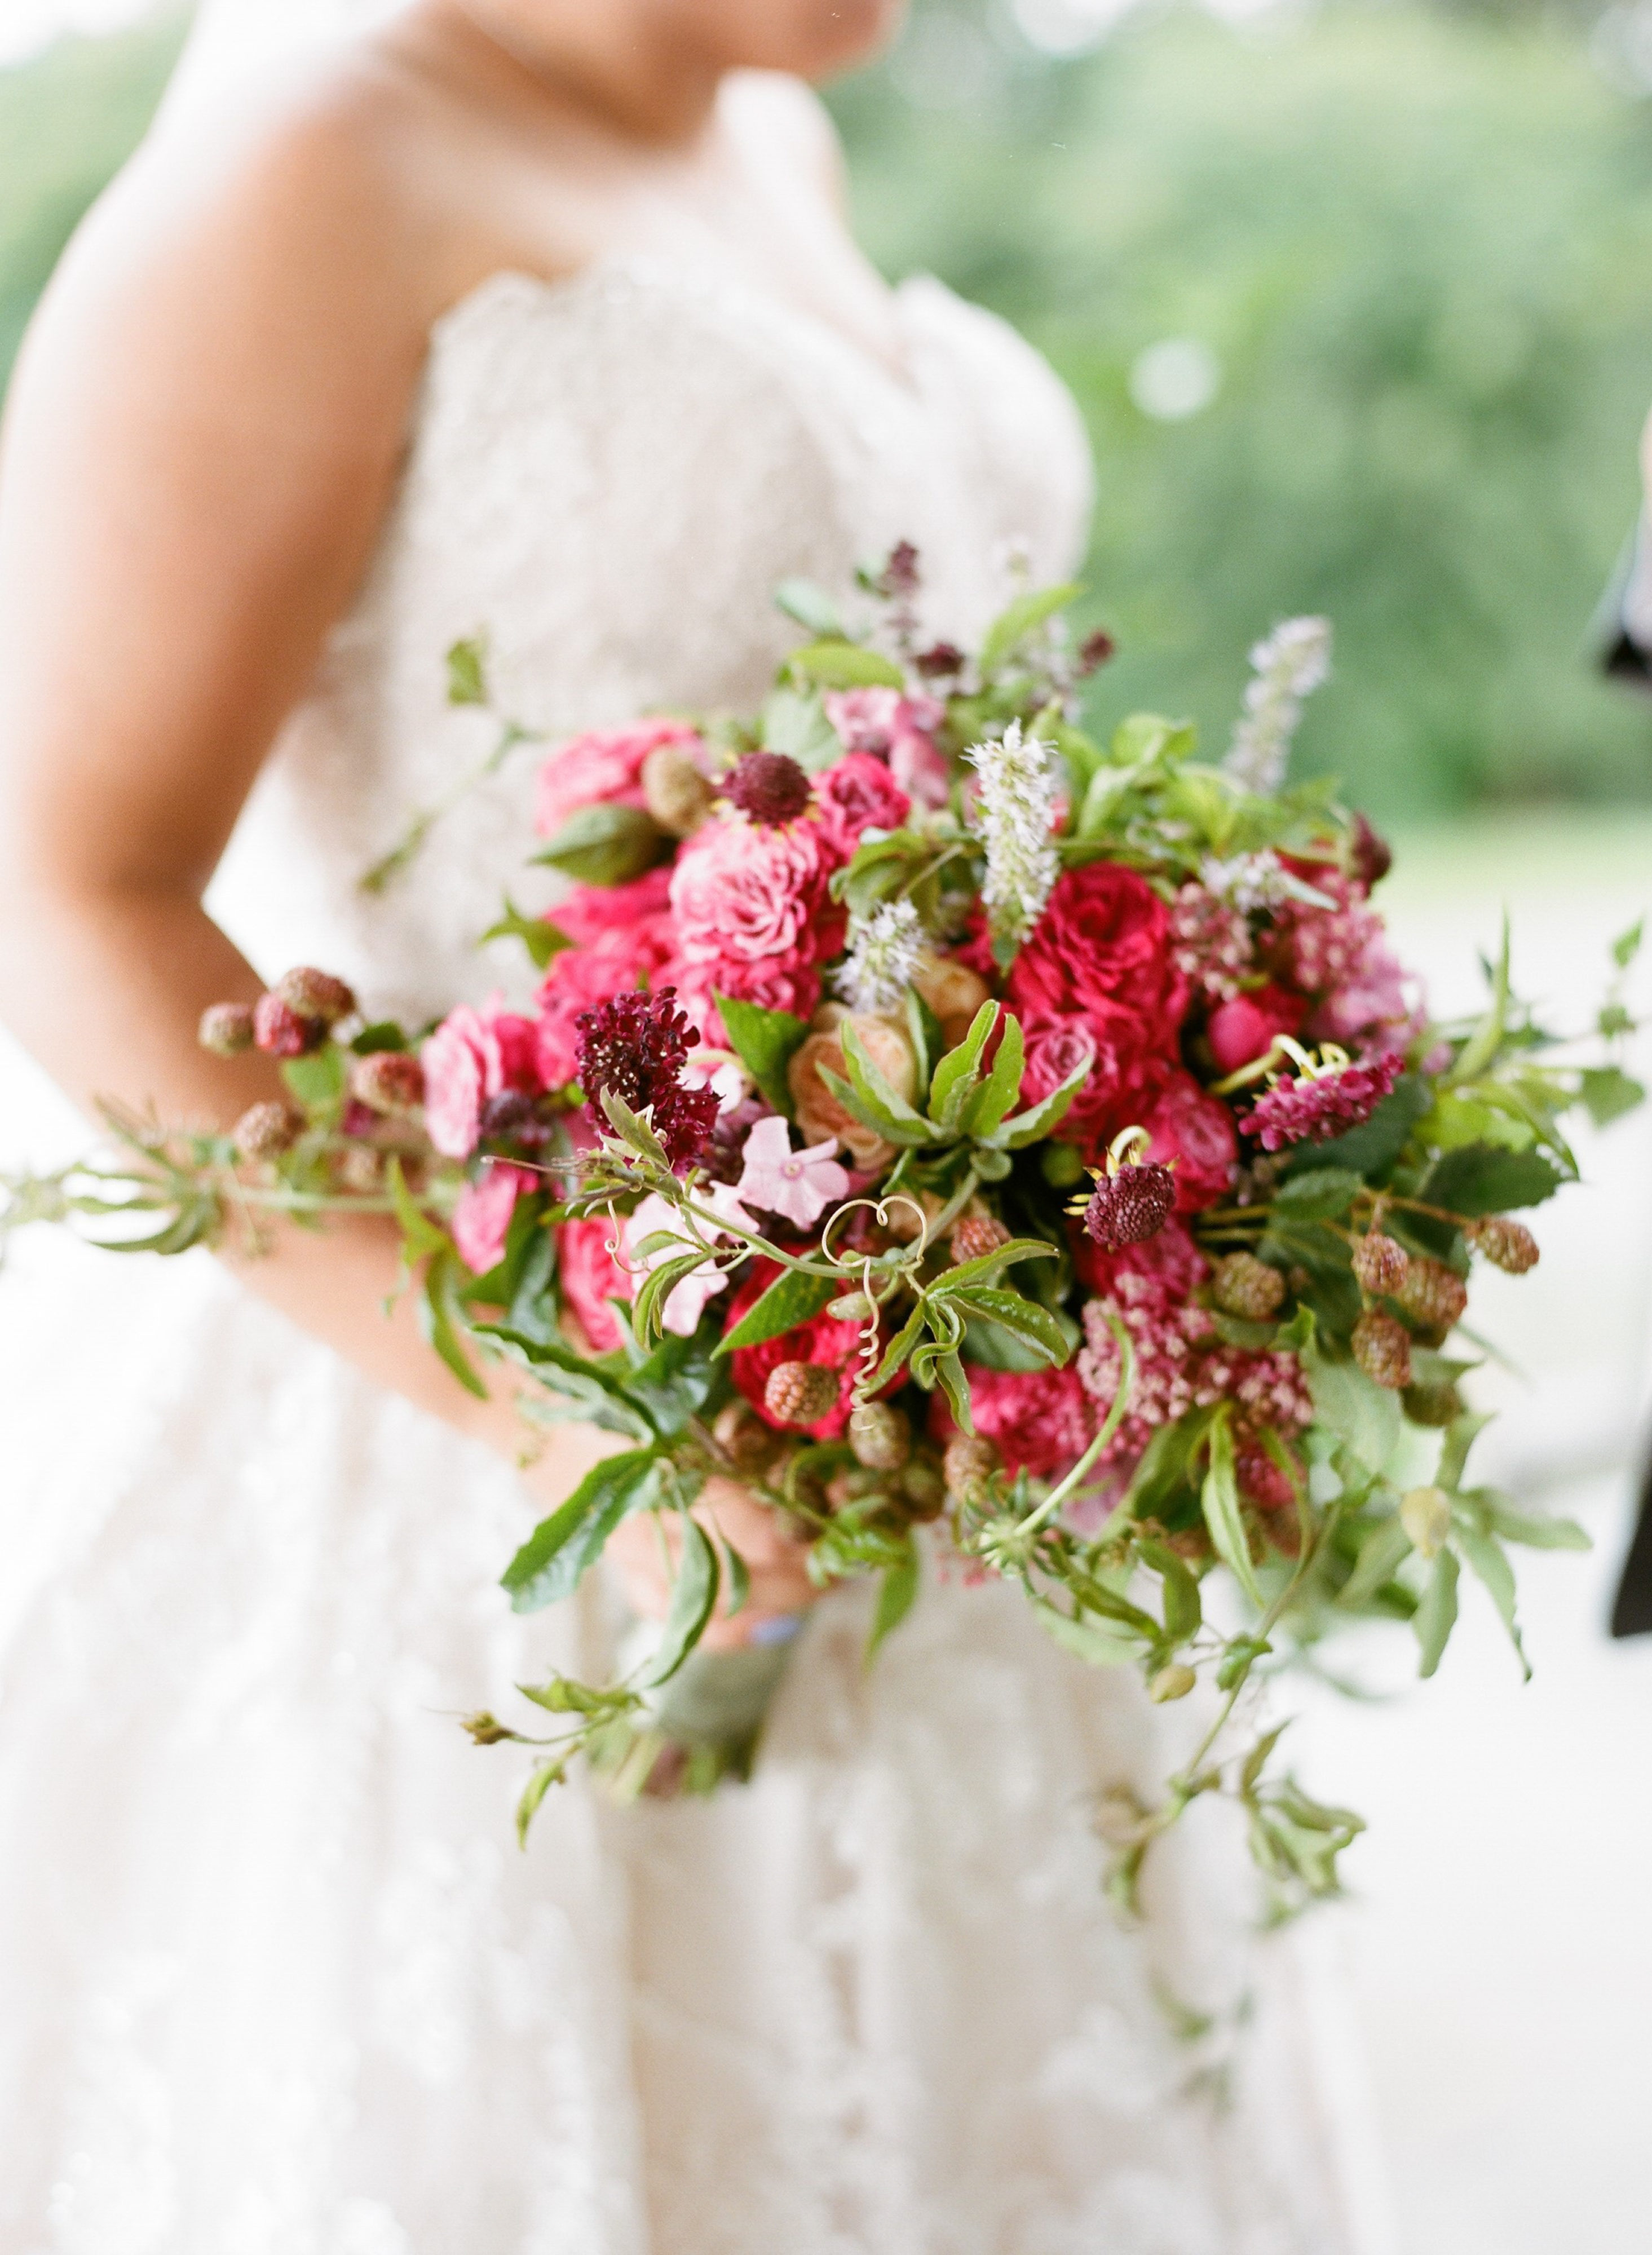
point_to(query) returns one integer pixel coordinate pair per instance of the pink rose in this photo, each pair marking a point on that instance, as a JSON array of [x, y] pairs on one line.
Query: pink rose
[[900, 729], [744, 893], [1126, 1067], [482, 1218], [590, 911], [474, 1054], [1041, 1421], [615, 962], [1194, 1130], [605, 765], [857, 794], [590, 1277], [1243, 1029]]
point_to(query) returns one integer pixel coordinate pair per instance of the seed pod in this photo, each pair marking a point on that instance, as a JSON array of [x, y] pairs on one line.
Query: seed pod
[[1246, 1287], [674, 790], [1382, 1349], [226, 1029], [800, 1393], [969, 1462], [312, 993], [280, 1031], [923, 1487], [1380, 1264], [265, 1131], [1172, 1682], [1131, 1206], [391, 1082], [881, 1436], [976, 1235], [1425, 1514], [1506, 1243], [1433, 1294], [1432, 1405]]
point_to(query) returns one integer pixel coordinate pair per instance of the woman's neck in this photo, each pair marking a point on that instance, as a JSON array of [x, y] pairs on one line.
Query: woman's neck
[[618, 62]]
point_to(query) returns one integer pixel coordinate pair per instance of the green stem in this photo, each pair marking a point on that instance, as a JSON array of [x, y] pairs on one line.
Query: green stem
[[1052, 1503]]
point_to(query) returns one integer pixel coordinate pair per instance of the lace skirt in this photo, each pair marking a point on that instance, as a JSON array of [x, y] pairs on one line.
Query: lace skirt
[[275, 1980]]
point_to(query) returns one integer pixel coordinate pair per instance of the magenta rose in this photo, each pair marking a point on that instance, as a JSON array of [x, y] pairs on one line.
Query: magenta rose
[[795, 987], [859, 793], [1126, 1070], [482, 1218], [1041, 1421], [474, 1054], [615, 962], [605, 765], [1105, 940], [1241, 1031], [742, 894], [590, 1277], [1193, 1131], [589, 910], [887, 725]]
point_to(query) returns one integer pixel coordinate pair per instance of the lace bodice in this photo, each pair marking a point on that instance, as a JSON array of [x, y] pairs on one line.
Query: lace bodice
[[608, 477]]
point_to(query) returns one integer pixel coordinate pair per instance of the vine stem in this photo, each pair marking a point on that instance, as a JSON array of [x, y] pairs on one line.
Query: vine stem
[[1052, 1503]]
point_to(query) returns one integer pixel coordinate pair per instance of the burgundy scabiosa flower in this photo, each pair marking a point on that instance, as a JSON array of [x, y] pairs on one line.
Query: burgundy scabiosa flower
[[1321, 1101], [1129, 1207], [635, 1046], [767, 788]]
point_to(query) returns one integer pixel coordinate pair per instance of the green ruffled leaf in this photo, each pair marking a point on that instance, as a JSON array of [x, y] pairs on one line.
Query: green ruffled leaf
[[1023, 1319], [1031, 1126], [1184, 1608], [956, 1076], [1321, 1196], [693, 1601], [606, 844], [1481, 1178], [1608, 1093], [550, 1562], [906, 1126], [897, 1594], [1535, 1531], [1382, 1551]]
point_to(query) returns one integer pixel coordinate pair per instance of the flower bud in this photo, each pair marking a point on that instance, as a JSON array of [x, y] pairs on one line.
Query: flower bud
[[280, 1031], [1382, 1350], [1243, 1286], [674, 790], [391, 1082], [360, 1168], [310, 994], [969, 1462], [852, 1308], [265, 1131], [1380, 1264], [1432, 1405], [768, 788], [976, 1236], [1506, 1243], [226, 1029], [923, 1487], [1425, 1514], [1172, 1682], [800, 1393], [881, 1436]]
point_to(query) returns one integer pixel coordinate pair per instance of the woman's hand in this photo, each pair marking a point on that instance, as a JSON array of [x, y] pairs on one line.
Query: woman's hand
[[645, 1550]]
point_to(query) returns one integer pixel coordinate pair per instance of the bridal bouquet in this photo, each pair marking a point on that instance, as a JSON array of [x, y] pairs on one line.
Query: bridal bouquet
[[1003, 1153]]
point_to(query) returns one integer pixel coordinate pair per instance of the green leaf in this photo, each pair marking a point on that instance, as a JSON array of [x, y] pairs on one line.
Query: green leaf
[[986, 1266], [693, 1601], [1537, 1532], [955, 1386], [1371, 1149], [899, 1348], [1609, 1093], [372, 1040], [1383, 1550], [765, 1041], [538, 934], [1626, 946], [318, 1080], [543, 1777], [897, 1593], [871, 1086], [1485, 1553], [467, 672], [647, 1309], [1480, 1178], [1320, 1196], [923, 1031], [1365, 1418], [1483, 1045], [442, 1316], [960, 1070], [1012, 626], [1031, 1126], [551, 1561], [1436, 1616], [791, 1300], [1099, 1646], [633, 1130], [1184, 1608], [834, 665], [811, 608], [1220, 1500], [606, 844], [794, 722], [987, 1108], [1025, 1319]]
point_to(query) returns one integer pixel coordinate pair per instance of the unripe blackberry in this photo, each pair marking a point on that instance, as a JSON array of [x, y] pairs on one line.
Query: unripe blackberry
[[1129, 1207], [750, 1446], [923, 1487], [969, 1462], [226, 1029], [265, 1131], [976, 1235], [1432, 1405], [800, 1393], [1433, 1294], [1380, 1264], [360, 1168], [768, 788], [1243, 1286], [881, 1436], [1382, 1349], [674, 790], [1172, 1682], [316, 995], [280, 1031], [391, 1082], [1506, 1243]]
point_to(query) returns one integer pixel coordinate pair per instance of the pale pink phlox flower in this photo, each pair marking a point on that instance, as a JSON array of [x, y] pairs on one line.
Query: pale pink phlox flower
[[797, 1185], [687, 1300]]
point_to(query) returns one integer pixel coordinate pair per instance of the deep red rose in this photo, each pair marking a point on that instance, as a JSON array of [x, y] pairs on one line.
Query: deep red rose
[[1040, 1421], [1241, 1031], [822, 1339], [1104, 942], [1195, 1130], [1126, 1068]]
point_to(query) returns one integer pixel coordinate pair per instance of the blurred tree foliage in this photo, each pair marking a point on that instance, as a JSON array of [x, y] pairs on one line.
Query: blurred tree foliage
[[1416, 248]]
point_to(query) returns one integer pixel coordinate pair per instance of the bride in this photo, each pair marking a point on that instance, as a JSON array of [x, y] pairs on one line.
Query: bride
[[534, 318]]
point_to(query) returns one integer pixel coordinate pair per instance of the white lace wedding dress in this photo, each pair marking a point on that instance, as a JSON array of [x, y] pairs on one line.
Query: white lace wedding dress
[[274, 1978]]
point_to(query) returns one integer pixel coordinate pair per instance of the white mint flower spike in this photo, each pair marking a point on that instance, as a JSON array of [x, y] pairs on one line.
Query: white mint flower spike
[[1016, 816], [884, 950], [1289, 665]]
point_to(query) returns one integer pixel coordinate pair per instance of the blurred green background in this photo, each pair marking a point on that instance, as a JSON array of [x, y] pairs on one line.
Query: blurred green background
[[1357, 302]]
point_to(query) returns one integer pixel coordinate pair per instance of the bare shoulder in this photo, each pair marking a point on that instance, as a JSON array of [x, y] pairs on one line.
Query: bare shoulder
[[786, 117]]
